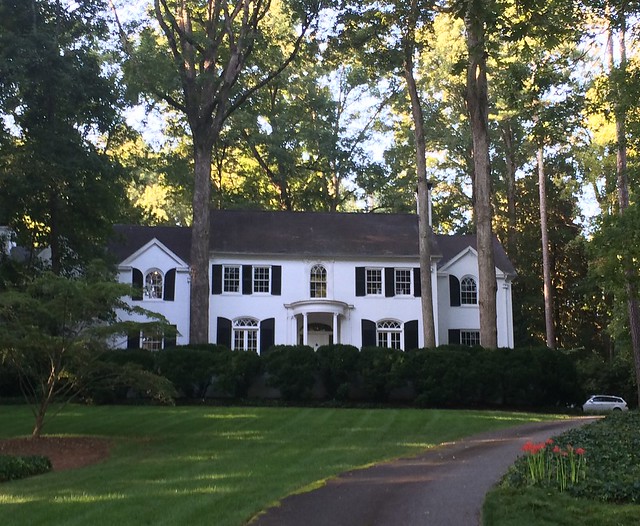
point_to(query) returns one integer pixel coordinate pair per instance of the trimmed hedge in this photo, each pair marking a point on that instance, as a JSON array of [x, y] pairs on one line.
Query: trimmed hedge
[[473, 376], [448, 376], [19, 467], [338, 367], [291, 369]]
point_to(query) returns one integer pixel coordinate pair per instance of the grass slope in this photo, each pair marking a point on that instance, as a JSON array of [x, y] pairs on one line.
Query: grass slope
[[212, 465]]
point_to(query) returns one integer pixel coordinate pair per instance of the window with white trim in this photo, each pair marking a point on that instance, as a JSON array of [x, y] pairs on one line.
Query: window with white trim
[[403, 281], [389, 334], [262, 279], [470, 338], [153, 284], [373, 281], [151, 341], [245, 334], [231, 278], [468, 291], [318, 282]]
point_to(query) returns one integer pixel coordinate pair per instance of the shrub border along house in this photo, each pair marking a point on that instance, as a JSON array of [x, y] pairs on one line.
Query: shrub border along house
[[447, 377]]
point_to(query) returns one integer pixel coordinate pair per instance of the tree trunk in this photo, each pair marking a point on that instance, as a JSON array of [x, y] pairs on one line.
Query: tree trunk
[[478, 108], [510, 179], [424, 228], [622, 184], [199, 309], [546, 265]]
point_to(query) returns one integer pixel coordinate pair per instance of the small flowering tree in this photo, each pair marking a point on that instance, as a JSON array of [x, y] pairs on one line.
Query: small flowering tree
[[53, 331]]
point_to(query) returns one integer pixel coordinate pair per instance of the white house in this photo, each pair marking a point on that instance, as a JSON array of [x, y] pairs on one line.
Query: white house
[[311, 278]]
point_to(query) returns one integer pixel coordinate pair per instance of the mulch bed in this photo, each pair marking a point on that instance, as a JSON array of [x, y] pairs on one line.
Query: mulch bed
[[63, 452]]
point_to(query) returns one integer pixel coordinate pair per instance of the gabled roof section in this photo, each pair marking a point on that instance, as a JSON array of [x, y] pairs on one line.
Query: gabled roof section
[[131, 239], [454, 245], [154, 243], [315, 234]]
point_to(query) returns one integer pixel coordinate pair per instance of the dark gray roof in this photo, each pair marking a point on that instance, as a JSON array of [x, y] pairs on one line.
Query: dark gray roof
[[452, 245], [314, 234], [307, 234]]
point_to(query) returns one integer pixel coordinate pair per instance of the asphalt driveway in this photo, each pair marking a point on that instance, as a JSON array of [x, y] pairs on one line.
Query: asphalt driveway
[[444, 486]]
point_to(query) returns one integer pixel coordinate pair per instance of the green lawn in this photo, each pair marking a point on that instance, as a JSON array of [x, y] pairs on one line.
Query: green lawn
[[213, 465]]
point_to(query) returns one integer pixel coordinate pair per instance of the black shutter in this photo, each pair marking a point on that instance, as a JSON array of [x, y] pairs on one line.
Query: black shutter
[[389, 282], [169, 291], [368, 333], [133, 340], [216, 279], [267, 334], [276, 280], [454, 336], [224, 332], [411, 335], [454, 291], [136, 283], [360, 288], [170, 337], [247, 279], [417, 284]]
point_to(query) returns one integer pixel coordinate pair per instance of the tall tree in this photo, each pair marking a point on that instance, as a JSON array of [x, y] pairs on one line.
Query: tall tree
[[409, 42], [387, 36], [475, 16], [617, 21], [206, 70], [58, 187]]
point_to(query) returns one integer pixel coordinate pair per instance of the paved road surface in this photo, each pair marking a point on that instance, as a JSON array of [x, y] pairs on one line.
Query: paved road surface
[[444, 487]]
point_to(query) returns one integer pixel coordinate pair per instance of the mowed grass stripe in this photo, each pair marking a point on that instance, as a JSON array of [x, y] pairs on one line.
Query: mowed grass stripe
[[216, 465]]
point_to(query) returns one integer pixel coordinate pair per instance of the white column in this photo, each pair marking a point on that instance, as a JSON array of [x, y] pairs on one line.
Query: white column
[[336, 327], [305, 336]]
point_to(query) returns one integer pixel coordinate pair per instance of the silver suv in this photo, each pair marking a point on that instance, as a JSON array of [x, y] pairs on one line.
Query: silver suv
[[602, 403]]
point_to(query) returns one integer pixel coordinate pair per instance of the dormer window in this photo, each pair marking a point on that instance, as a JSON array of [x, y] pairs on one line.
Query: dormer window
[[318, 282], [153, 284]]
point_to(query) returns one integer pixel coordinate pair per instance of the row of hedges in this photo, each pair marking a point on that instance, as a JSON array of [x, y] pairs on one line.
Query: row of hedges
[[449, 376]]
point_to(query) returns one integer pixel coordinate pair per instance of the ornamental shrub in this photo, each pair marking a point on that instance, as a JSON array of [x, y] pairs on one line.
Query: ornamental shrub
[[376, 368], [292, 369], [234, 372], [145, 359], [190, 370], [440, 376], [14, 467], [338, 365]]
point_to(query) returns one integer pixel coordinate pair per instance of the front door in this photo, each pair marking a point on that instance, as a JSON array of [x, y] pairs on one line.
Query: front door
[[316, 339]]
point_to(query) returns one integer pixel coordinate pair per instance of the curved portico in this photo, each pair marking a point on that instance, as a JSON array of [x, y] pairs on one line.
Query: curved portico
[[317, 322]]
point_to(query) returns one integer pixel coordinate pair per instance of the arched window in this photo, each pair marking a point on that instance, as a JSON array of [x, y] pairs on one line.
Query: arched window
[[245, 334], [153, 284], [468, 291], [389, 334], [318, 282]]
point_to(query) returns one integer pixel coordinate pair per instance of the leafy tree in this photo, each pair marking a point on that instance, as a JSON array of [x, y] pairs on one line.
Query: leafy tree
[[387, 36], [58, 188], [53, 331], [205, 60], [615, 109]]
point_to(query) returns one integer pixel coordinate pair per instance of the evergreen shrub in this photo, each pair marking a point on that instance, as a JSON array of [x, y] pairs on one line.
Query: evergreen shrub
[[14, 467], [376, 372], [292, 369], [338, 365]]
